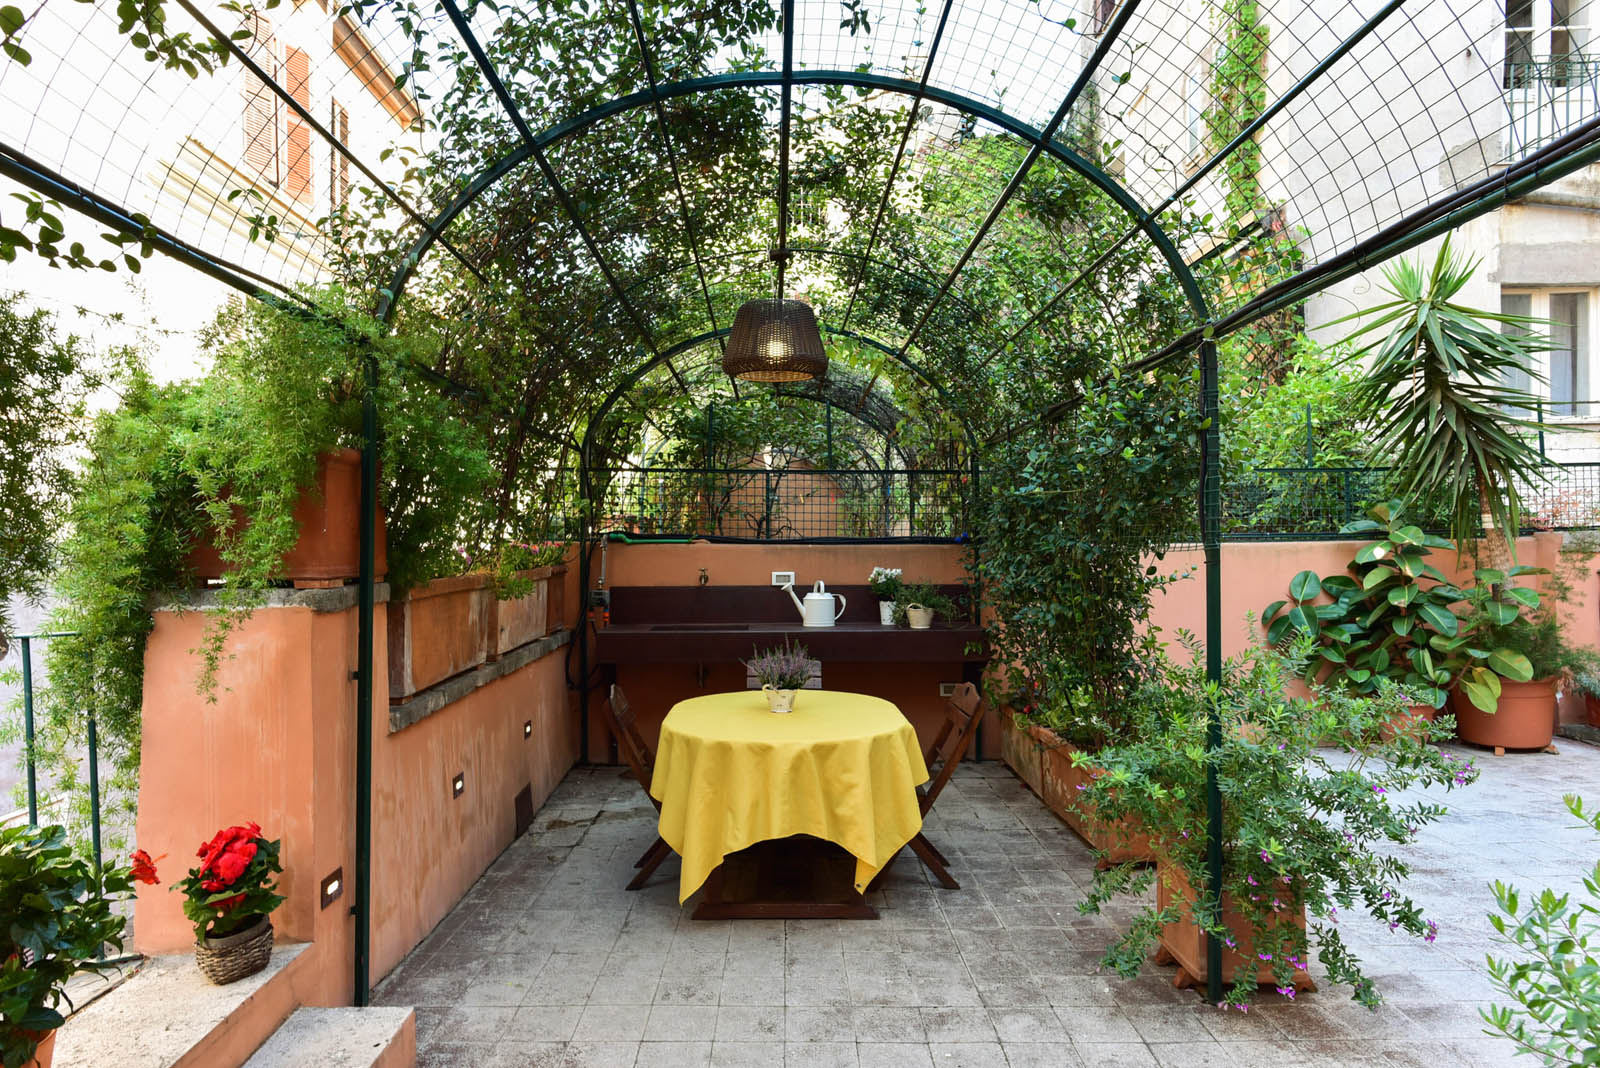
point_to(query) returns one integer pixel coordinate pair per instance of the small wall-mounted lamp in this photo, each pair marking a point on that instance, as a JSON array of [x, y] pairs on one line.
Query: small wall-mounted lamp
[[527, 730], [458, 785], [332, 887]]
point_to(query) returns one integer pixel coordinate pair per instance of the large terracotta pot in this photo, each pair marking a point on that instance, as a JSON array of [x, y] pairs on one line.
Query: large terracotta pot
[[1020, 752], [1064, 783], [438, 631], [43, 1053], [520, 620], [1184, 943], [328, 514], [1412, 722], [1525, 718]]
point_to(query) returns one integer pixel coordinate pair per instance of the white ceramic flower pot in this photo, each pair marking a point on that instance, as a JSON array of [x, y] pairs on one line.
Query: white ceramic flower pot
[[920, 617], [886, 613], [779, 700]]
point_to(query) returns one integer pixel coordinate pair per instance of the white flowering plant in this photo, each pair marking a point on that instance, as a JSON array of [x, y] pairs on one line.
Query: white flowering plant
[[885, 582]]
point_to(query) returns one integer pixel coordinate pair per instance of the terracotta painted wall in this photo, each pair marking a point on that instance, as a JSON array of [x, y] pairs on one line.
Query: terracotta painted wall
[[1254, 574], [278, 747]]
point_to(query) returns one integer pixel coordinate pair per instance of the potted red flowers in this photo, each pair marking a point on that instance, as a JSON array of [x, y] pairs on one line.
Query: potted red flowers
[[228, 898]]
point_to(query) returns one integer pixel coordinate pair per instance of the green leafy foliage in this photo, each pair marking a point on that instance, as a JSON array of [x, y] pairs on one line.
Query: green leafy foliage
[[1554, 979], [1435, 391], [45, 381], [57, 917], [1312, 816], [1073, 514], [1393, 616]]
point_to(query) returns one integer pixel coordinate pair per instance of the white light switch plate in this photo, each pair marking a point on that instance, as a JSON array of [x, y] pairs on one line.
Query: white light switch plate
[[783, 578], [948, 689]]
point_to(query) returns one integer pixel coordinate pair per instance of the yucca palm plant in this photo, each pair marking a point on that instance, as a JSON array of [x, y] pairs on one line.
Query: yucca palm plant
[[1436, 391]]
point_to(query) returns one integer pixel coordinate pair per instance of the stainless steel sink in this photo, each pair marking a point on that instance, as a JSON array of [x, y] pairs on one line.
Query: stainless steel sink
[[700, 626]]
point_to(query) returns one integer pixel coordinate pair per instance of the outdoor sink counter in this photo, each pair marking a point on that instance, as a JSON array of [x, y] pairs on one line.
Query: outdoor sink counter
[[711, 624]]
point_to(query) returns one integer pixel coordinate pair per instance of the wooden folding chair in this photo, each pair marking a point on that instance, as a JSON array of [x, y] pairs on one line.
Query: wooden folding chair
[[642, 762], [963, 713]]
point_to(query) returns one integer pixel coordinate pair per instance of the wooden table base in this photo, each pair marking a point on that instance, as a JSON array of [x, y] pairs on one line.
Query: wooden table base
[[799, 878]]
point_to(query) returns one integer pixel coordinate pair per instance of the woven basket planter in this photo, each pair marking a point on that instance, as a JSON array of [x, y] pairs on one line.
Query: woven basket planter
[[231, 958]]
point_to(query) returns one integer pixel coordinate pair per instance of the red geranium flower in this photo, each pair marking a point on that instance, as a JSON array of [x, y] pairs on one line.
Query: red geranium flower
[[144, 869]]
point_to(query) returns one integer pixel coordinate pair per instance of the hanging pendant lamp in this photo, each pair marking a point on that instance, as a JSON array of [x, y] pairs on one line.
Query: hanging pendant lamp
[[775, 341]]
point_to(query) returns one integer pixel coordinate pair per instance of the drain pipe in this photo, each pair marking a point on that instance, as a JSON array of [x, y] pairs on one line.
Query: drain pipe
[[361, 908]]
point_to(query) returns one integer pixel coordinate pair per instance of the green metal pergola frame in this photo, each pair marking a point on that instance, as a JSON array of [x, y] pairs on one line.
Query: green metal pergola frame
[[1578, 148]]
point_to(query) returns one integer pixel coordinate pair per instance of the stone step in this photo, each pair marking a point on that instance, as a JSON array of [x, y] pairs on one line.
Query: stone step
[[168, 1015], [341, 1038]]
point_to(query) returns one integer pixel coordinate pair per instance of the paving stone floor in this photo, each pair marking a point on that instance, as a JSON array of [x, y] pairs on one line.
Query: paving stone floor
[[549, 963]]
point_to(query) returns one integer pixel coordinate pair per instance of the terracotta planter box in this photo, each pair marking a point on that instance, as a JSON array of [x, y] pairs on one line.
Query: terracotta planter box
[[556, 610], [520, 620], [438, 631], [1121, 842], [329, 549], [1020, 752], [1524, 719], [42, 1054], [1184, 943]]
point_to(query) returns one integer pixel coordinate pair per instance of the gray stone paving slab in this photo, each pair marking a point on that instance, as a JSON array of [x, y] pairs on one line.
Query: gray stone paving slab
[[548, 962]]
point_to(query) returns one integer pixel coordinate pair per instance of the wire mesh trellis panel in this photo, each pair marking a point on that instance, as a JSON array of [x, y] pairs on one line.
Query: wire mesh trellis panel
[[793, 504], [1285, 503]]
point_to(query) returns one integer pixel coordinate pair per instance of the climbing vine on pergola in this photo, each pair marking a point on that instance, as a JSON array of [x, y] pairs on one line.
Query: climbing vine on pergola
[[997, 207]]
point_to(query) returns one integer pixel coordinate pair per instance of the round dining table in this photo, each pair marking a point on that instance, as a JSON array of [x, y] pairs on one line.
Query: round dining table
[[843, 767]]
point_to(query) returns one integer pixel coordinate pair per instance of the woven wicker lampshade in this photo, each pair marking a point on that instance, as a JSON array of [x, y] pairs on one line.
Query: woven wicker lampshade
[[775, 341]]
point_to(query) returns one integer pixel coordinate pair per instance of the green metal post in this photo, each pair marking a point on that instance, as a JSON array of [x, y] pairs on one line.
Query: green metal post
[[365, 597], [1311, 441], [94, 813], [1211, 542], [27, 731]]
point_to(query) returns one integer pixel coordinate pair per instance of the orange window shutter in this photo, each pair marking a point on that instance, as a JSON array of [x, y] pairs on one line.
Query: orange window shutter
[[338, 165], [261, 107], [297, 143]]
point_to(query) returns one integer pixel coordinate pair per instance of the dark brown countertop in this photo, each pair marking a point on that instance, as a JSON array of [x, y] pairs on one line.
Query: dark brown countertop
[[857, 642]]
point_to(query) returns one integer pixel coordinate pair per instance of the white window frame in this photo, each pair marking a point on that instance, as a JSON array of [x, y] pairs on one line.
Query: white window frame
[[1539, 308], [1542, 33]]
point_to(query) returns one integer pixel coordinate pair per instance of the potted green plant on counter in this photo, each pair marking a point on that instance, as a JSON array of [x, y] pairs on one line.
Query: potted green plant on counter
[[1308, 834], [886, 586], [924, 601], [782, 671], [58, 918]]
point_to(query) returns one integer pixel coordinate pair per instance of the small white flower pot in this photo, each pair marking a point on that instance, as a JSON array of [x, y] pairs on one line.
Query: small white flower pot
[[779, 700], [886, 613]]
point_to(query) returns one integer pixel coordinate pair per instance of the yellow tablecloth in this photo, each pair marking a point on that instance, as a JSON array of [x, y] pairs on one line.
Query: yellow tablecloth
[[841, 766]]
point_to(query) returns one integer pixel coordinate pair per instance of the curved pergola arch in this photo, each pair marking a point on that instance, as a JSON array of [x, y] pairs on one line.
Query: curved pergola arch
[[535, 144], [622, 388]]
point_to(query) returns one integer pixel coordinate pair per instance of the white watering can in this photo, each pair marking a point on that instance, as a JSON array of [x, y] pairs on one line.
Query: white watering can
[[818, 610]]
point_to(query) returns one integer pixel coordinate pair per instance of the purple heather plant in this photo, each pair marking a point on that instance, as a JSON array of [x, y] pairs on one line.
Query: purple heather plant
[[786, 667]]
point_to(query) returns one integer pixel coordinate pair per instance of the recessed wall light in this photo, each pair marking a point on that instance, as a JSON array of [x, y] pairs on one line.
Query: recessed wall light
[[458, 785], [332, 887]]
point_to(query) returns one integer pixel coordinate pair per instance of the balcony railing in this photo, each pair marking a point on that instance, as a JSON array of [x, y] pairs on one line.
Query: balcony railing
[[1549, 98]]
